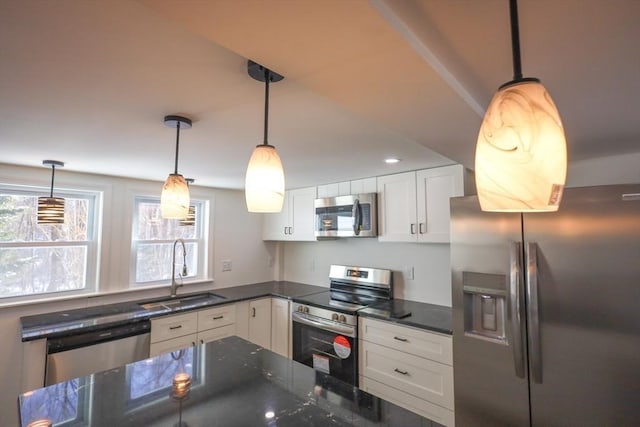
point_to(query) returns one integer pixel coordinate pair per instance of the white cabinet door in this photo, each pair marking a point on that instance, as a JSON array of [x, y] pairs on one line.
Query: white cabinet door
[[260, 322], [363, 186], [216, 333], [328, 190], [302, 214], [295, 221], [397, 208], [434, 188], [173, 344], [274, 225], [281, 327], [253, 321]]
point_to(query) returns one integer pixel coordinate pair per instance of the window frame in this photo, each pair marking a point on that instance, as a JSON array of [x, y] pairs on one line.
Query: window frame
[[92, 244], [201, 240]]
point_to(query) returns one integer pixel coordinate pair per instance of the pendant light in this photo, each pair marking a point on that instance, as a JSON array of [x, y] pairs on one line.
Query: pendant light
[[51, 209], [521, 153], [264, 181], [190, 219], [174, 201]]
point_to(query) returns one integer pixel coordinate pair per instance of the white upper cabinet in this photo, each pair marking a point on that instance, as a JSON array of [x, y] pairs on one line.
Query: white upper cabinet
[[295, 221], [414, 206], [346, 188]]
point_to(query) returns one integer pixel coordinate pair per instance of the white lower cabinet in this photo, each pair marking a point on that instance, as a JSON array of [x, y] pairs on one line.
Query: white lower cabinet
[[281, 327], [253, 321], [409, 367], [174, 332]]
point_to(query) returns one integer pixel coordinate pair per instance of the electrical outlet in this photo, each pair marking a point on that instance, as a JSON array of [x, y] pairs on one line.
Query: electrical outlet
[[226, 265], [408, 273]]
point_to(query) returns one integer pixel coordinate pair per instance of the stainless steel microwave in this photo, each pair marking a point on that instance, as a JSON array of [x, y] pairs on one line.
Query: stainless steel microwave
[[347, 216]]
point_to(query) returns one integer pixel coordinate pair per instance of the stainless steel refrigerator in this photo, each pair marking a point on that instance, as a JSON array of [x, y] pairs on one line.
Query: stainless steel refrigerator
[[546, 312]]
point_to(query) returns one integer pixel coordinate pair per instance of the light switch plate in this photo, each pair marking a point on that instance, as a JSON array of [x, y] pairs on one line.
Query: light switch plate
[[226, 265]]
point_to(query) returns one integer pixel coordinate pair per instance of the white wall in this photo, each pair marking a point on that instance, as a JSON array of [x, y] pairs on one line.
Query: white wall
[[622, 169], [308, 262], [235, 235]]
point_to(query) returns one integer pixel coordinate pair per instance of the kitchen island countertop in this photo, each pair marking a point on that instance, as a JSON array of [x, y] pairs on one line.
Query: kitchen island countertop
[[232, 383]]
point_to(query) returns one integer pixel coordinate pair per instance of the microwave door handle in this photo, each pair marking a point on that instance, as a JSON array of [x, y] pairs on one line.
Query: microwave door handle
[[356, 213]]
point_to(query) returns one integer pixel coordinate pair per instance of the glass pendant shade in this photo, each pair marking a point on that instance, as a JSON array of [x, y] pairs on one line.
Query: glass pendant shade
[[264, 181], [50, 210], [174, 201], [521, 153]]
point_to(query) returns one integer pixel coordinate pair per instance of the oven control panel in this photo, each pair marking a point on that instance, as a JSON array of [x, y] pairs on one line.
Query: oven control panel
[[325, 314]]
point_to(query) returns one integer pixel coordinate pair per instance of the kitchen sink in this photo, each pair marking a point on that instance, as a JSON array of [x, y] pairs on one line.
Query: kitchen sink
[[183, 302]]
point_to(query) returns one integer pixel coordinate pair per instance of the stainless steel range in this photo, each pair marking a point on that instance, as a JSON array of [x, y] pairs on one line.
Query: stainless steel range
[[325, 325]]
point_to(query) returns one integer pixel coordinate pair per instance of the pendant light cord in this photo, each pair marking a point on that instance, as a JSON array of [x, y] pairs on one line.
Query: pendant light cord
[[53, 174], [515, 40], [266, 105], [177, 146]]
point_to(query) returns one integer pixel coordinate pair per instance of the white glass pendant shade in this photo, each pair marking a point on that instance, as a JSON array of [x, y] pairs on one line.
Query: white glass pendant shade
[[50, 210], [174, 201], [521, 153], [264, 181]]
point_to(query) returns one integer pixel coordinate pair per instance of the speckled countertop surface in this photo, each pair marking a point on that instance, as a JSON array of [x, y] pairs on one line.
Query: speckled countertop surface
[[421, 315], [68, 322], [233, 383]]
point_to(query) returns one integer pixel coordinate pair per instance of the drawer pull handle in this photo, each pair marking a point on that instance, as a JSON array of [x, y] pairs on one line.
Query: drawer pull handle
[[175, 327], [218, 317], [401, 339], [401, 371]]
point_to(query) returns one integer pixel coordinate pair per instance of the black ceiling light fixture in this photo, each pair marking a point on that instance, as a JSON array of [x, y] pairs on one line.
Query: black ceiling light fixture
[[521, 152], [51, 209], [174, 201], [264, 180]]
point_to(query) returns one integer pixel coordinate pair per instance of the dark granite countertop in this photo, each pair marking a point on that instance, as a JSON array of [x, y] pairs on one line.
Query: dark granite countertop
[[233, 383], [68, 322], [432, 317]]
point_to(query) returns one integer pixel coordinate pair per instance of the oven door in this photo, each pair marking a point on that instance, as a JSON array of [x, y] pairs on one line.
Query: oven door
[[326, 346]]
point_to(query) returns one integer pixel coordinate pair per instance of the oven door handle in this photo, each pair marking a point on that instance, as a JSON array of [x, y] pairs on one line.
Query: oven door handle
[[347, 330]]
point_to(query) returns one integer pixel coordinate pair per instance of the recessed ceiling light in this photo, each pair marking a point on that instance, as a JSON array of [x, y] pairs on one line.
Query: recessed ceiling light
[[391, 160], [269, 415]]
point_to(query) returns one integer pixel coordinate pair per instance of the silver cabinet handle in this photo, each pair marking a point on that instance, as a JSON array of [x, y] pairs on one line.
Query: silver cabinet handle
[[515, 307], [422, 227], [201, 341], [401, 371], [533, 319], [356, 213], [193, 343], [401, 339], [171, 328], [218, 317], [253, 312], [413, 229], [290, 230]]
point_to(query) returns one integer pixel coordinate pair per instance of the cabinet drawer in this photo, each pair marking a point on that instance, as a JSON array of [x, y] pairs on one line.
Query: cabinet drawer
[[425, 379], [421, 407], [170, 327], [420, 343], [172, 345], [216, 317], [216, 334]]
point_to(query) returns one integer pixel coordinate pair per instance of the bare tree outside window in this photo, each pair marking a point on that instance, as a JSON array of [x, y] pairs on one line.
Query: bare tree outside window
[[153, 239], [43, 258]]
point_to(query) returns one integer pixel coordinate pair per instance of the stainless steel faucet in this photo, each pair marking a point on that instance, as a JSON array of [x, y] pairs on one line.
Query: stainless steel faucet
[[174, 285]]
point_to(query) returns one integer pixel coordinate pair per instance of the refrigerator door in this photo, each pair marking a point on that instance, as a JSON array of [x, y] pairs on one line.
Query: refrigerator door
[[489, 341], [585, 353]]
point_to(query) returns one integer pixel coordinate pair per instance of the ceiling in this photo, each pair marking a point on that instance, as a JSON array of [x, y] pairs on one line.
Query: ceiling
[[89, 82]]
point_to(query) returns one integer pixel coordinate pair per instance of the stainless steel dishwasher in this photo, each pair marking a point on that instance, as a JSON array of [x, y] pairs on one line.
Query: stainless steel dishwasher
[[83, 354]]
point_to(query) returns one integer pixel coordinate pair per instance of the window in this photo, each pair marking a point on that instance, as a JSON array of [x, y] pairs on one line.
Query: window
[[153, 240], [38, 259]]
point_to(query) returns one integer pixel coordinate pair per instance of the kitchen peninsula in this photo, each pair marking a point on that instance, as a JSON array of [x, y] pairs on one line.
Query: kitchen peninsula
[[232, 383]]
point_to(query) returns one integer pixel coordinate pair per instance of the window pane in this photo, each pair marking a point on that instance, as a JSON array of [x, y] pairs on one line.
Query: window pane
[[151, 226], [61, 403], [33, 270], [18, 220], [153, 261]]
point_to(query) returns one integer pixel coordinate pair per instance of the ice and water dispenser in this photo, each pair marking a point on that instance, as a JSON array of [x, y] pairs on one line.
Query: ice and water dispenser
[[485, 305]]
